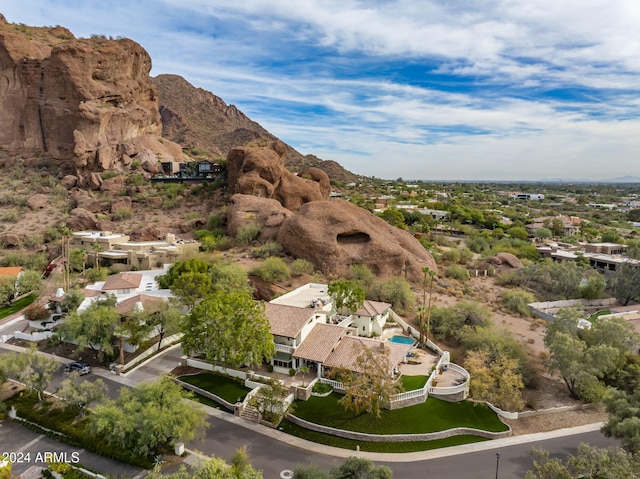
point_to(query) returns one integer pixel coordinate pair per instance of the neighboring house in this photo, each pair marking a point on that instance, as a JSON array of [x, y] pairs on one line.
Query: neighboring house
[[527, 196], [371, 318], [570, 224], [115, 250]]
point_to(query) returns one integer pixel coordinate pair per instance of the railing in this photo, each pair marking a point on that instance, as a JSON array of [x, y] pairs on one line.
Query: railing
[[334, 384], [284, 348]]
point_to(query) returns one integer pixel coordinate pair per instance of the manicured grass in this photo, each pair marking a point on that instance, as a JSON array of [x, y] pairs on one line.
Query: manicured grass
[[227, 388], [344, 443], [431, 416], [411, 383], [17, 306]]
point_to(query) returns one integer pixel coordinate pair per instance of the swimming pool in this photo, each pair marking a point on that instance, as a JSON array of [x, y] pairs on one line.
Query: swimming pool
[[401, 339]]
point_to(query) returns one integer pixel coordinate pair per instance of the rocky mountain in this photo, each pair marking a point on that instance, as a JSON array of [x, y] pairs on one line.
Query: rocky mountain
[[199, 120], [89, 104]]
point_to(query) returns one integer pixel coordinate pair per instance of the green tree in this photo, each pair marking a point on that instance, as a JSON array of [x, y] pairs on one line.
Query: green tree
[[518, 232], [29, 282], [396, 291], [360, 468], [79, 394], [94, 328], [589, 462], [346, 295], [495, 379], [192, 265], [31, 368], [543, 233], [165, 322], [584, 358], [229, 327], [191, 286], [7, 290], [228, 277], [625, 283], [148, 418], [623, 422], [369, 388], [394, 218], [71, 300], [270, 401], [592, 286], [214, 468]]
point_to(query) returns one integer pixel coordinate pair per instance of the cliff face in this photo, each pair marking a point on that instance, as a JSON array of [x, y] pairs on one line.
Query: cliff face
[[87, 102]]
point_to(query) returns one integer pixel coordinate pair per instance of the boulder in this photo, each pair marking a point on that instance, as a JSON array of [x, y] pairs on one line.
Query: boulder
[[82, 200], [336, 234], [69, 181], [243, 210], [113, 185], [81, 219], [9, 240], [37, 201], [260, 171], [121, 203], [154, 202], [501, 261], [196, 223], [150, 233]]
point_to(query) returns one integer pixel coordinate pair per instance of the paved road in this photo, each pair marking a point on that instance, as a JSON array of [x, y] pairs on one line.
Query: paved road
[[272, 451]]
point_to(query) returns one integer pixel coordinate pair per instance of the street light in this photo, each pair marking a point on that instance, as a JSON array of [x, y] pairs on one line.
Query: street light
[[497, 463]]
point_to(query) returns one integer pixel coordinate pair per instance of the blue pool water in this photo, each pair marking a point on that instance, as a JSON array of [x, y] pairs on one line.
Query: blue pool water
[[401, 340]]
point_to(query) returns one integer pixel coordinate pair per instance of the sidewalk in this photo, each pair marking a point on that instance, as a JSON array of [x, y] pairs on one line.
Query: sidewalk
[[163, 365]]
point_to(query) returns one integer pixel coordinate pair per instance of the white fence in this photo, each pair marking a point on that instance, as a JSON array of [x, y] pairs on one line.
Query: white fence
[[168, 341], [195, 363], [35, 336]]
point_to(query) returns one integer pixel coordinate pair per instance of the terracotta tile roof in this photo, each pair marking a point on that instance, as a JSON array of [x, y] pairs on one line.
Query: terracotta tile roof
[[372, 308], [320, 342], [122, 281], [287, 321], [348, 350], [10, 271], [150, 304]]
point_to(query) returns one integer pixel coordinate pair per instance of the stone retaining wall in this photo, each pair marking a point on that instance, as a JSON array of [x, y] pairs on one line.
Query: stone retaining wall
[[430, 436]]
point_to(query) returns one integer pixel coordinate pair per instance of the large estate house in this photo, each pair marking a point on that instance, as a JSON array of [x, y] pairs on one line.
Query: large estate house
[[308, 332]]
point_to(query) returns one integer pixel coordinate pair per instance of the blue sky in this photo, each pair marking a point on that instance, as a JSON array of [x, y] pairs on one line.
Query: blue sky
[[419, 89]]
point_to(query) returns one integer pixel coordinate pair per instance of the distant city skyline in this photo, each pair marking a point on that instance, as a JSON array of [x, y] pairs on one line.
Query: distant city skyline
[[431, 90]]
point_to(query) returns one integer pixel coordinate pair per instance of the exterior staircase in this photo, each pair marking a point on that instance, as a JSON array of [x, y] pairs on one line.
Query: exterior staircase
[[250, 413]]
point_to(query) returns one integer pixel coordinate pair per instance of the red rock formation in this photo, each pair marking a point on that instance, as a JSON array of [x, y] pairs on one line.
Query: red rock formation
[[336, 234], [261, 172], [246, 209], [86, 102]]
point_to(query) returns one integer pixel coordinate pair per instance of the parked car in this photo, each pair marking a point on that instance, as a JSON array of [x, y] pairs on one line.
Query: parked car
[[80, 366]]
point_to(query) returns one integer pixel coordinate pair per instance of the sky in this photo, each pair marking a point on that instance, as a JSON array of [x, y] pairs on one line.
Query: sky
[[418, 89]]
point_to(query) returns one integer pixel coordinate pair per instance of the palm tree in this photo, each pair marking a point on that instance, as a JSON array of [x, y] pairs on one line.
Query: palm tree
[[428, 273], [96, 247], [65, 238]]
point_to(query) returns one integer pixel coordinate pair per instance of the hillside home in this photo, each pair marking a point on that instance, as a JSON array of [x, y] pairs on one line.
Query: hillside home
[[370, 318], [115, 250]]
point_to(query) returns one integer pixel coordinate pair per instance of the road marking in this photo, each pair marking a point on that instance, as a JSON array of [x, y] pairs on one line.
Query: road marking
[[286, 474], [31, 443]]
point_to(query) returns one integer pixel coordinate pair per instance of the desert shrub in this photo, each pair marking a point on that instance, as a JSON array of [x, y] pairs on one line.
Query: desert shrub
[[270, 248], [517, 302], [452, 255], [215, 222], [11, 216], [170, 203], [36, 312], [272, 270], [136, 179], [247, 234], [396, 291], [457, 272], [107, 175], [321, 388], [26, 259], [121, 214], [135, 165], [32, 241], [301, 266]]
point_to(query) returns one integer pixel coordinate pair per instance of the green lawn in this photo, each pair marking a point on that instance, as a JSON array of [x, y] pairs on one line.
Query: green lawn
[[227, 388], [17, 306], [343, 443], [431, 416], [595, 316], [411, 383]]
